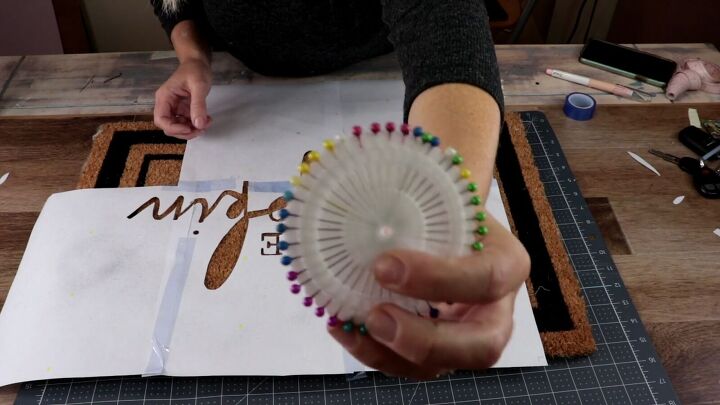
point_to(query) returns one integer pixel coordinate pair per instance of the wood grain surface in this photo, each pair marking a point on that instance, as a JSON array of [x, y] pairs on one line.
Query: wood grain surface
[[672, 270], [71, 85], [7, 66]]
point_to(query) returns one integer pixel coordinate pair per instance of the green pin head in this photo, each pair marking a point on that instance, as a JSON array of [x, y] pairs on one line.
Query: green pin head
[[475, 200], [482, 230], [472, 187], [478, 246], [480, 216], [427, 138], [457, 160]]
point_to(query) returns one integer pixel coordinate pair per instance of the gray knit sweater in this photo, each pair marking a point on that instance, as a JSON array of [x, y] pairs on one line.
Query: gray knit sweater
[[436, 41]]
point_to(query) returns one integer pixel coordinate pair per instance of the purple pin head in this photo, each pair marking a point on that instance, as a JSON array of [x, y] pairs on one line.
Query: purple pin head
[[320, 312], [307, 301], [292, 275], [333, 321], [295, 288]]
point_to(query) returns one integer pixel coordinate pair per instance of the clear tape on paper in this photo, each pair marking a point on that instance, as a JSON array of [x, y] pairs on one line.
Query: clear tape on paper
[[172, 295], [205, 185], [269, 186], [169, 307], [230, 184]]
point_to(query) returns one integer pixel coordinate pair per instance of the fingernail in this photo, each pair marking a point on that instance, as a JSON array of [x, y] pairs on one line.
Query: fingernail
[[198, 122], [389, 270], [382, 326]]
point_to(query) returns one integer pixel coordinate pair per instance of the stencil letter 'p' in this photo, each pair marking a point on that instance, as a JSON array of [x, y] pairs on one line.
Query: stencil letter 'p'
[[226, 254]]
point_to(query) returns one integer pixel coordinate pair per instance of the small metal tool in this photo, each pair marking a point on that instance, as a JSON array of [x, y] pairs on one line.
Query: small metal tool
[[708, 156]]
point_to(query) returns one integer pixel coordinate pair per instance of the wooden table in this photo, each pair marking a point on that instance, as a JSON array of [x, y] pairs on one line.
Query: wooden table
[[667, 254]]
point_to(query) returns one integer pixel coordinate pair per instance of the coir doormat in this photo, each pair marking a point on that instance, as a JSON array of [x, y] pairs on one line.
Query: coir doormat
[[137, 154]]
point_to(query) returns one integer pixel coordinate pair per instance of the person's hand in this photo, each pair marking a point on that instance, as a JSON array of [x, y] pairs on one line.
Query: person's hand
[[477, 294], [180, 109]]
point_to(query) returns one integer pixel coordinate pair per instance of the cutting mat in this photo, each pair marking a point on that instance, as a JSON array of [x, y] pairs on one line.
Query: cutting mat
[[624, 370]]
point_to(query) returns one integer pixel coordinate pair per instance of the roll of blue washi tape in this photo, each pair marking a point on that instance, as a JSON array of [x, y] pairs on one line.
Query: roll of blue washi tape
[[579, 106]]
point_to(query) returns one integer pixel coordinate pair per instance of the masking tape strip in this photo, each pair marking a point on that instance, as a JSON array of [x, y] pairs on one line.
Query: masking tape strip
[[230, 184], [205, 185], [169, 307], [269, 186]]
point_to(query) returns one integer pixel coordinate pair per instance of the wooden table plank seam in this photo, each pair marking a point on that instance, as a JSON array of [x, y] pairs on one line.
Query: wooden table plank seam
[[7, 82]]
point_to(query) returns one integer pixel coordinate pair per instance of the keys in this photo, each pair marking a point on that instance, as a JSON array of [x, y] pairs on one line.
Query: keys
[[706, 180], [687, 164]]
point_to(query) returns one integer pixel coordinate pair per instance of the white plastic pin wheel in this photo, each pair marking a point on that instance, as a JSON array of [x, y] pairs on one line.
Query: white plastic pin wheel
[[377, 190]]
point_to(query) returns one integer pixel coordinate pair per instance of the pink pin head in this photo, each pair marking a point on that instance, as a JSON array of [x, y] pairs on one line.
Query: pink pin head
[[357, 130], [405, 129], [375, 127], [390, 127]]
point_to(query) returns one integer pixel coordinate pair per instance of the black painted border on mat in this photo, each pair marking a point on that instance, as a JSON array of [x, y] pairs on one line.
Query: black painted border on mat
[[113, 166]]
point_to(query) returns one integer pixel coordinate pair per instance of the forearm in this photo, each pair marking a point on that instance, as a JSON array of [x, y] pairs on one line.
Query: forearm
[[466, 118], [189, 42]]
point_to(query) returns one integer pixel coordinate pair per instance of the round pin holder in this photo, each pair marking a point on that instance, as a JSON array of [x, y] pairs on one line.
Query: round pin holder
[[379, 189]]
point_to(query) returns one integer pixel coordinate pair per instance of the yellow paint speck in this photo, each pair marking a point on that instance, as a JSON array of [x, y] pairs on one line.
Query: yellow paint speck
[[244, 258], [241, 327], [49, 369], [72, 295]]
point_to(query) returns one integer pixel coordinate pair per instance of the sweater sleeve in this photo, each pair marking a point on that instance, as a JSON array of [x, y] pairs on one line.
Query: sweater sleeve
[[187, 10], [443, 41]]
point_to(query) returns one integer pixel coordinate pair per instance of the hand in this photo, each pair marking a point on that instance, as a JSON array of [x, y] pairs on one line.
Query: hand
[[180, 109], [474, 325]]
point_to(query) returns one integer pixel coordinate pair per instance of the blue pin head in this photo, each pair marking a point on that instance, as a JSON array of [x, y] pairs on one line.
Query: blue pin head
[[418, 131], [284, 213], [288, 195], [286, 260], [283, 245], [281, 228]]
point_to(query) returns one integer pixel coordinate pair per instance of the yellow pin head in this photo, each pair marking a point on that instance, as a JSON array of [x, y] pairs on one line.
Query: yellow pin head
[[465, 173], [304, 168], [313, 156], [295, 181], [329, 145]]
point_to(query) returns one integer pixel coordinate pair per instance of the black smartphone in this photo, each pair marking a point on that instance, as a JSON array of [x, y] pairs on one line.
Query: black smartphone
[[628, 62]]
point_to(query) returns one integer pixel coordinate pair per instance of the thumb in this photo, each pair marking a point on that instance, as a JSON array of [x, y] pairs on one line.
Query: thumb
[[198, 107]]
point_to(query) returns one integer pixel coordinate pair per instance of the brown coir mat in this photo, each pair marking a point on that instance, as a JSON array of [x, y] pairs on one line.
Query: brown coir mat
[[137, 154], [132, 154], [555, 294]]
